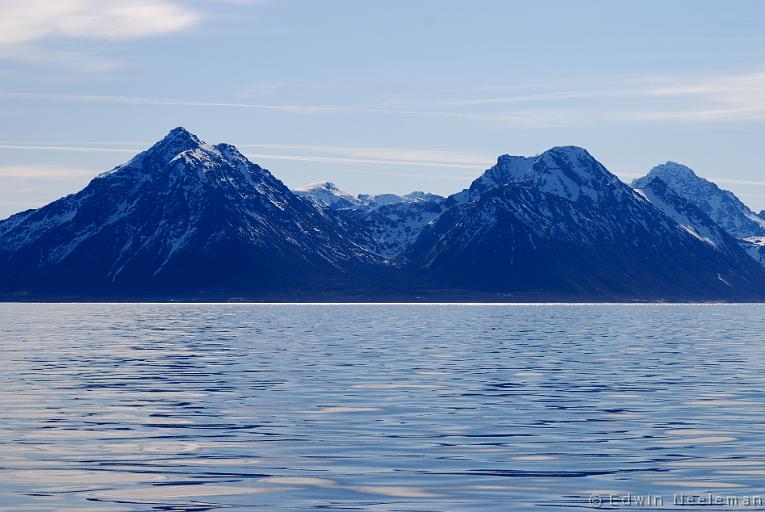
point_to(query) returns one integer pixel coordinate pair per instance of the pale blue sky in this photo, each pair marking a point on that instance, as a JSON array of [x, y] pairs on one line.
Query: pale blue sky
[[381, 96]]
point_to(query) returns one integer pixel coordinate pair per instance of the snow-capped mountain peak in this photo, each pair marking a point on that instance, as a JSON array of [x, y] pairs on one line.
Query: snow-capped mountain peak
[[183, 211], [673, 171], [569, 172], [175, 142], [321, 185], [722, 206], [181, 151], [326, 194]]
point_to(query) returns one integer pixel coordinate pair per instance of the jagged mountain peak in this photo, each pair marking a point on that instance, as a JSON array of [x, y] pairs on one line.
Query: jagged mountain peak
[[570, 172], [179, 133], [691, 218], [182, 213], [677, 176], [181, 150], [722, 206], [569, 152], [320, 185], [176, 141], [673, 169], [326, 194]]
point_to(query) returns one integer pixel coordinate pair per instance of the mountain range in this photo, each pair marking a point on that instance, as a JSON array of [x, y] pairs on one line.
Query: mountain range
[[188, 220]]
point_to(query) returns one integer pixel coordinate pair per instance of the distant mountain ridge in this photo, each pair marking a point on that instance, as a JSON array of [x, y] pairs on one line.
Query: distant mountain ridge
[[712, 204], [186, 219], [722, 206], [385, 224]]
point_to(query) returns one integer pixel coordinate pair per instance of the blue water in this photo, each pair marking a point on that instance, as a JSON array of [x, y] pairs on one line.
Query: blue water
[[382, 408]]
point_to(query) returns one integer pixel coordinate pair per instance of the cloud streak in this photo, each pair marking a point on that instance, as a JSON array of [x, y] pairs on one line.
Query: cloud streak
[[352, 156], [725, 97], [394, 155], [73, 149], [343, 155], [735, 97], [43, 171], [521, 119], [370, 161]]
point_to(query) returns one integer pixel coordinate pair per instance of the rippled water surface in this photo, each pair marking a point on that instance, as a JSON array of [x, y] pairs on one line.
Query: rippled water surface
[[383, 408]]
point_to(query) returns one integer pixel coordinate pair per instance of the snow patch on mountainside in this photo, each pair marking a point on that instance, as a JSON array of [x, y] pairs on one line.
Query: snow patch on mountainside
[[754, 247], [326, 194]]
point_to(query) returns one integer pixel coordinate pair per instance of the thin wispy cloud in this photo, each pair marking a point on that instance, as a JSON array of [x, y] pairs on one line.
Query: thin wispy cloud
[[54, 59], [340, 160], [344, 155], [739, 97], [520, 119], [597, 93], [134, 100], [72, 149], [43, 171], [724, 97], [354, 156], [393, 155]]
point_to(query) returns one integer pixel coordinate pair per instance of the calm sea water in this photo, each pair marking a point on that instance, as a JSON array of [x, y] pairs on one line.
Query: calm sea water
[[382, 408]]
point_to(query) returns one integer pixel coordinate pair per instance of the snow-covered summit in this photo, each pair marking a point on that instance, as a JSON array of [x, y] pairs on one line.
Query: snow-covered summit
[[175, 142], [326, 194], [674, 172], [569, 172], [722, 206], [182, 149]]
